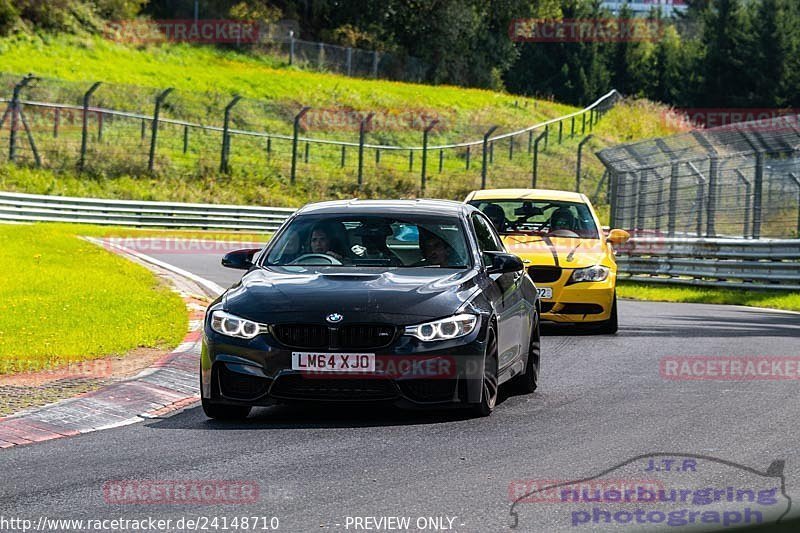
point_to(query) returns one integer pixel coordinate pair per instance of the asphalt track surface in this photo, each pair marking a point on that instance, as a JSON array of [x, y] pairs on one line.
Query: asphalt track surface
[[600, 403]]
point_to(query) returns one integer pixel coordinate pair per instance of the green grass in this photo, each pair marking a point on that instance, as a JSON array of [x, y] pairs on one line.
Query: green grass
[[786, 300], [116, 165], [68, 300]]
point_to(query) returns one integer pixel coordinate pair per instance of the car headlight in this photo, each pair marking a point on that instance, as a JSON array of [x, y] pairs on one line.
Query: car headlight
[[233, 326], [592, 273], [444, 329]]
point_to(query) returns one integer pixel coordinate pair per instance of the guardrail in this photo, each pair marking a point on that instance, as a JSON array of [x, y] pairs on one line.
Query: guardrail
[[734, 263], [19, 207]]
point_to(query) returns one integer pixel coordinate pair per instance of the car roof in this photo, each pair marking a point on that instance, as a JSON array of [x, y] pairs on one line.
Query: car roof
[[526, 194], [356, 206]]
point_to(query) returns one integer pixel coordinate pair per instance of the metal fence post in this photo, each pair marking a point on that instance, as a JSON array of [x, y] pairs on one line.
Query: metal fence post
[[572, 128], [612, 185], [291, 48], [797, 182], [485, 154], [56, 122], [321, 56], [411, 160], [560, 131], [100, 127], [583, 123], [154, 136], [362, 130], [344, 155], [468, 154], [441, 161], [747, 196], [295, 134], [578, 164], [223, 160], [535, 164], [713, 172], [425, 134], [349, 61], [85, 125], [673, 199], [759, 186], [14, 108], [185, 139]]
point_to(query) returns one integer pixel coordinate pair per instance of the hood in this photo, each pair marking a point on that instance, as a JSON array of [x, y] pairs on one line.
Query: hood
[[556, 251], [309, 294]]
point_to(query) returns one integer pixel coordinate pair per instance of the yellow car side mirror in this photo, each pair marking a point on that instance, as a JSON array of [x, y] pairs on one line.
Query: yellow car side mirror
[[618, 236]]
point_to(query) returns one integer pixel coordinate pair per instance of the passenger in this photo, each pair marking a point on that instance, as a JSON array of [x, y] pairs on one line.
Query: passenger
[[373, 238]]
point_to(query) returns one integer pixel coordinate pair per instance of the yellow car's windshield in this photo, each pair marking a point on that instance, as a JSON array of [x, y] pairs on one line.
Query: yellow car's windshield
[[540, 217]]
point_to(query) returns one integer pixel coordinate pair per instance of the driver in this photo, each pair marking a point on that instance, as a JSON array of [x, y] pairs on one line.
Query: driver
[[321, 241], [496, 214], [563, 219], [435, 250]]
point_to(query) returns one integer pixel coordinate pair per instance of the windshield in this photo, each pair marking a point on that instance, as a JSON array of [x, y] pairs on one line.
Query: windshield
[[373, 240], [540, 217]]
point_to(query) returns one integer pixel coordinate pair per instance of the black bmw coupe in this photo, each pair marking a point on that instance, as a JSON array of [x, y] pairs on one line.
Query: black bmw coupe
[[413, 302]]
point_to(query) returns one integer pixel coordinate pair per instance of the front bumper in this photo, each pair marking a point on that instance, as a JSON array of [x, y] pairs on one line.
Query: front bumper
[[579, 302], [409, 373]]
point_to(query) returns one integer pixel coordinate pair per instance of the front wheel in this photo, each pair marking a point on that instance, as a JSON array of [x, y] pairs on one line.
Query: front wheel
[[489, 389], [611, 325], [225, 412]]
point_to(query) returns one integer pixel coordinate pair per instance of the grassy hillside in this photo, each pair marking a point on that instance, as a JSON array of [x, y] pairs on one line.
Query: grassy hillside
[[204, 80]]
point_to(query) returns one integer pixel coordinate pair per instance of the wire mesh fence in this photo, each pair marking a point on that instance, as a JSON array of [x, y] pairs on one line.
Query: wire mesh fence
[[352, 61], [740, 180], [109, 130]]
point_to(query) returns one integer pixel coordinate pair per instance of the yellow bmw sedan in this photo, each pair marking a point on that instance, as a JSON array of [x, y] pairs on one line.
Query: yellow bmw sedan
[[559, 238]]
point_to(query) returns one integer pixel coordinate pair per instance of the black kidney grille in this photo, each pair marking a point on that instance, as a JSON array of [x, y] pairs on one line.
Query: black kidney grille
[[302, 335], [365, 336], [544, 274], [350, 337]]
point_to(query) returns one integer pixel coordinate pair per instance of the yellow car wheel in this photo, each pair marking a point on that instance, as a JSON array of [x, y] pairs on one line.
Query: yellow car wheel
[[611, 325]]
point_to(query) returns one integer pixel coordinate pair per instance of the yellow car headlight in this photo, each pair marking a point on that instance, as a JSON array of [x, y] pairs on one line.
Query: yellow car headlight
[[592, 273]]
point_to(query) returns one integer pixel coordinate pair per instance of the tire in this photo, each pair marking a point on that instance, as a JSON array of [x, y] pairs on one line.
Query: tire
[[527, 382], [610, 326], [489, 383], [225, 412]]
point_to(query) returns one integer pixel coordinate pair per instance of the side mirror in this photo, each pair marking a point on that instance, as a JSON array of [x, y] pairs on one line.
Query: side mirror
[[618, 236], [503, 262], [240, 259]]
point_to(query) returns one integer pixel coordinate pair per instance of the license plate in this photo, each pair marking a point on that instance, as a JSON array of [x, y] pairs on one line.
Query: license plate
[[333, 362], [545, 292]]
